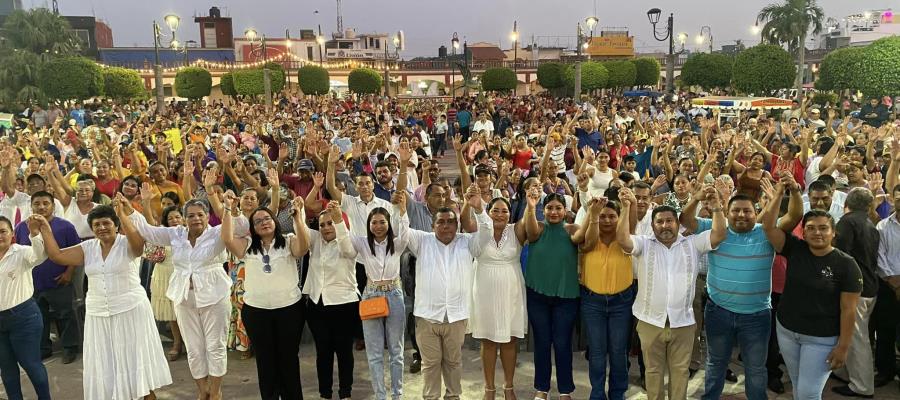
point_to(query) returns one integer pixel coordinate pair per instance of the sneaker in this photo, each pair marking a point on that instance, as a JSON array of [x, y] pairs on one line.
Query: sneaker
[[416, 366], [730, 376], [847, 392]]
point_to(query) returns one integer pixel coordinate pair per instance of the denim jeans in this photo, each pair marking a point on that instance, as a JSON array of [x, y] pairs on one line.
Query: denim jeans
[[607, 320], [751, 331], [805, 357], [380, 330], [552, 323], [20, 344]]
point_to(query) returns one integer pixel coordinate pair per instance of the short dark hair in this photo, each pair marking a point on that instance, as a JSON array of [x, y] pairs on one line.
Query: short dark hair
[[740, 197], [640, 185], [4, 220], [828, 180], [42, 193], [101, 212], [443, 210], [383, 163], [628, 158], [35, 177], [663, 209], [818, 213], [819, 186]]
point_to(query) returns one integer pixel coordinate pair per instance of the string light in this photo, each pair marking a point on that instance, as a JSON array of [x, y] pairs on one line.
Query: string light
[[349, 64]]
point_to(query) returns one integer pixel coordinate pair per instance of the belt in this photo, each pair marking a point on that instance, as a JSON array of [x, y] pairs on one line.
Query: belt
[[384, 287]]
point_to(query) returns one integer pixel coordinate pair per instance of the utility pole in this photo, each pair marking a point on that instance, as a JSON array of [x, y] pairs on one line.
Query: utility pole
[[157, 72]]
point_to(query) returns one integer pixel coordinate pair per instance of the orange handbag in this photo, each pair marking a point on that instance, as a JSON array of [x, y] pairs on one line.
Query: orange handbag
[[375, 307]]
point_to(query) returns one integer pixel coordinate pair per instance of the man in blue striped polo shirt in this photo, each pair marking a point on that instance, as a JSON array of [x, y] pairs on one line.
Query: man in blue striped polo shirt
[[739, 283]]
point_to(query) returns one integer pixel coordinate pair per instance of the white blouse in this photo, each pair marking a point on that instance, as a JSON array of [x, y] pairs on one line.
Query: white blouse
[[198, 267], [115, 282], [332, 268], [276, 289], [382, 266], [16, 283], [73, 214]]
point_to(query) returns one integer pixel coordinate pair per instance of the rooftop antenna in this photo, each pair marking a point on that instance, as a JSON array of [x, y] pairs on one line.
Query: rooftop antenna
[[340, 19], [56, 7]]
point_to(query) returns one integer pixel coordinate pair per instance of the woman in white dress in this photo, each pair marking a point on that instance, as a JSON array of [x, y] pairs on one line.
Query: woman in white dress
[[498, 296], [123, 357]]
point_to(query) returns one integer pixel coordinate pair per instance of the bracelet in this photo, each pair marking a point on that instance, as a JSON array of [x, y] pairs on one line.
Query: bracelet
[[715, 210]]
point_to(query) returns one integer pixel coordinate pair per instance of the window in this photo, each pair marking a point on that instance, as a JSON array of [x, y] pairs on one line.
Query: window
[[84, 36], [209, 25], [309, 53]]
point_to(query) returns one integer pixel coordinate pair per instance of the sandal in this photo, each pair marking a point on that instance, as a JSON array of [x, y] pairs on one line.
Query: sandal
[[509, 393], [246, 355], [174, 355], [537, 395], [489, 394], [568, 396]]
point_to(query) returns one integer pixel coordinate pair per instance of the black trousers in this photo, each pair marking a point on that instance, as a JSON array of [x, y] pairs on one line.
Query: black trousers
[[361, 281], [58, 305], [885, 318], [275, 335], [774, 359], [333, 330], [408, 275]]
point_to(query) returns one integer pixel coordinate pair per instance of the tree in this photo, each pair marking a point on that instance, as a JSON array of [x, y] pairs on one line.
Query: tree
[[550, 75], [249, 82], [364, 81], [123, 83], [193, 82], [226, 84], [762, 69], [68, 78], [28, 39], [825, 98], [647, 71], [708, 70], [314, 80], [499, 79], [622, 73], [840, 69], [880, 69], [788, 24], [593, 76]]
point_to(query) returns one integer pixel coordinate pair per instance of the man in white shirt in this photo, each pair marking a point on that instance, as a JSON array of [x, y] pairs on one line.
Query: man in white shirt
[[886, 315], [666, 264], [443, 289], [485, 124]]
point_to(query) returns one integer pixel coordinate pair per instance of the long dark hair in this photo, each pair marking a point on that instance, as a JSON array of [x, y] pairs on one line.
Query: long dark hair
[[256, 241], [129, 178], [370, 238]]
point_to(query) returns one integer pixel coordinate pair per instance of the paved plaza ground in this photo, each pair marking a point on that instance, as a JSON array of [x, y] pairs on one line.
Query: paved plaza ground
[[241, 382]]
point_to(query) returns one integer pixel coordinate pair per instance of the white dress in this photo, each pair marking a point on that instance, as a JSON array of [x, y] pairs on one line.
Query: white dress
[[498, 293], [123, 355]]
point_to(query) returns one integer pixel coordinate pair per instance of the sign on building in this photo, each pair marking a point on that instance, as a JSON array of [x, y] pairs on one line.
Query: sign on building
[[611, 46]]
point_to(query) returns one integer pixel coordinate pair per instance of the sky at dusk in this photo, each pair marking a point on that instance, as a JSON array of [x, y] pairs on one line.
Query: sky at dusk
[[427, 24]]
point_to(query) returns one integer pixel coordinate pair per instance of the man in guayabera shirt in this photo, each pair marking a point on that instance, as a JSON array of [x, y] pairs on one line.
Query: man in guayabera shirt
[[53, 282]]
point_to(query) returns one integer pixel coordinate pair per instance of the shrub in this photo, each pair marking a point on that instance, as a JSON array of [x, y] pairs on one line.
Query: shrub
[[193, 83], [647, 71], [123, 83], [68, 78], [364, 81], [708, 70], [314, 79], [762, 69], [499, 79]]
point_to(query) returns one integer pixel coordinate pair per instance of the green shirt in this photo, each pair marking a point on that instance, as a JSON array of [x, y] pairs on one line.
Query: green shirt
[[552, 266]]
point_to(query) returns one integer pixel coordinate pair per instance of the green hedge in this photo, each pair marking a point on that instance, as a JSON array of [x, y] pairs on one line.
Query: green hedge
[[647, 71], [879, 73], [499, 79], [593, 76], [123, 83], [762, 69], [314, 80], [226, 84], [70, 78], [621, 73], [251, 82], [840, 68], [708, 70], [193, 83], [279, 73], [550, 75], [364, 81]]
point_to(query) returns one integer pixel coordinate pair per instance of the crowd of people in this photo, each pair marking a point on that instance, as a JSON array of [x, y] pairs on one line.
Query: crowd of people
[[672, 233]]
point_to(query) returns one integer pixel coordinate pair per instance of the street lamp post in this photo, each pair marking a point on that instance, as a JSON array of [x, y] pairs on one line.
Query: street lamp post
[[455, 46], [172, 21], [321, 41], [653, 16], [515, 38], [582, 44], [251, 36]]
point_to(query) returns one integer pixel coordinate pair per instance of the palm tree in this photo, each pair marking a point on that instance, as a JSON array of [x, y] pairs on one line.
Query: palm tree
[[788, 24]]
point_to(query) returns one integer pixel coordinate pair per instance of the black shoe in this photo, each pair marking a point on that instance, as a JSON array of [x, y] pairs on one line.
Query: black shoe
[[643, 384], [69, 357], [847, 392], [882, 380], [692, 372], [776, 386], [46, 355], [416, 366], [838, 378], [730, 376]]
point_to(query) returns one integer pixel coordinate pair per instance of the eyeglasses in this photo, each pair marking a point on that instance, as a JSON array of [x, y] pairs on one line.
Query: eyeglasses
[[267, 268], [259, 221]]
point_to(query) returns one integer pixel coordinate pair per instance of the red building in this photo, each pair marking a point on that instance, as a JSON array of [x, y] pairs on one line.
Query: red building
[[215, 31], [103, 35]]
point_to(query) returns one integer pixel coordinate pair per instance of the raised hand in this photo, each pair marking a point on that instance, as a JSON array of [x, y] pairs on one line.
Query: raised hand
[[272, 176], [318, 180], [147, 192], [282, 152], [35, 223], [334, 155], [297, 206], [210, 177], [126, 205], [405, 154], [473, 197], [534, 196], [457, 142], [596, 204], [334, 208]]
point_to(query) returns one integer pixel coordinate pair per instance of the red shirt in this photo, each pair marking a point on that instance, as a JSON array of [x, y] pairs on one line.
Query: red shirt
[[108, 188], [794, 167]]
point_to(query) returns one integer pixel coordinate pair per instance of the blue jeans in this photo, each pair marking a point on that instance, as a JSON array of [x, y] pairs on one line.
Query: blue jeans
[[805, 357], [751, 331], [607, 320], [380, 330], [552, 323], [20, 344]]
